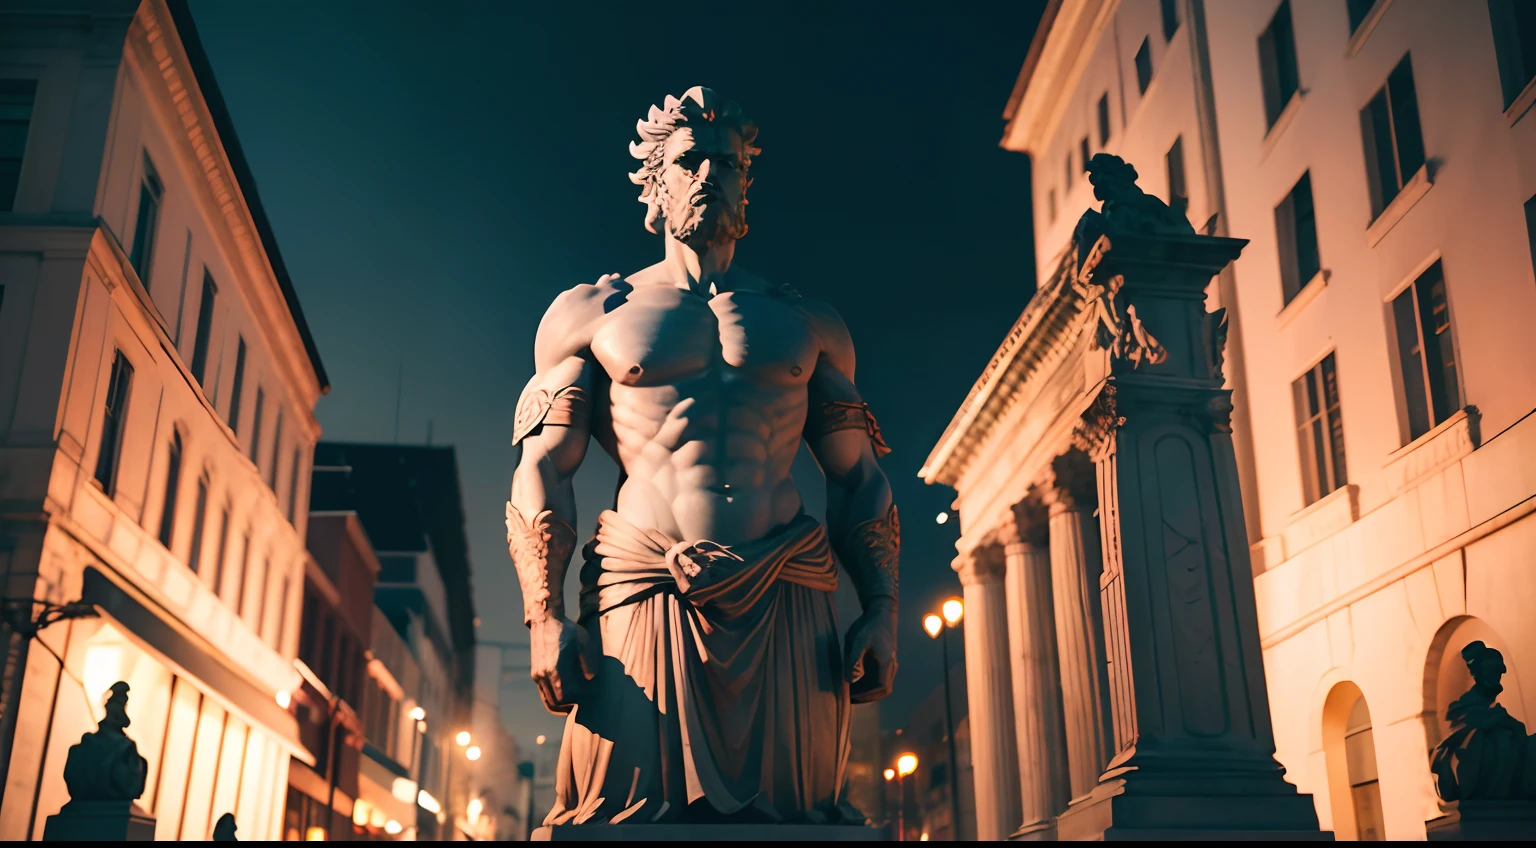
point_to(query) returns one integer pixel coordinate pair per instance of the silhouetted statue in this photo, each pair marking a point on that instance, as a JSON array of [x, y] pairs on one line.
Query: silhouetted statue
[[224, 829], [1126, 207], [1487, 755], [105, 765]]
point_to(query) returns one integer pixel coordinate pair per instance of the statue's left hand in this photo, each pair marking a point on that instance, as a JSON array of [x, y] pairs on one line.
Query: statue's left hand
[[871, 655]]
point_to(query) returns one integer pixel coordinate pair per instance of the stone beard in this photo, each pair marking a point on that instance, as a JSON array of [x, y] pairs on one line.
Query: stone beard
[[704, 680]]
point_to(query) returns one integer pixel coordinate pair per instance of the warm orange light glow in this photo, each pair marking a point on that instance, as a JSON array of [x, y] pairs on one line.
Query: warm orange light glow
[[539, 740], [906, 764], [933, 624], [473, 752], [890, 774], [393, 827], [418, 714], [283, 698], [475, 808], [360, 811], [954, 610], [425, 800], [943, 518], [314, 834], [924, 837], [421, 727], [462, 738]]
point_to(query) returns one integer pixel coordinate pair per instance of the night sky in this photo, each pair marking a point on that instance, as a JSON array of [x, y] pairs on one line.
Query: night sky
[[437, 173]]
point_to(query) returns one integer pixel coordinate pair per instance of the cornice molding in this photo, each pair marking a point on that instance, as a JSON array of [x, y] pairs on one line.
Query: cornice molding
[[156, 55], [1048, 80]]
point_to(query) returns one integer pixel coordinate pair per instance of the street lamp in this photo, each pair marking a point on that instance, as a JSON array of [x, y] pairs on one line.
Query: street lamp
[[953, 611], [472, 752], [905, 765], [462, 738]]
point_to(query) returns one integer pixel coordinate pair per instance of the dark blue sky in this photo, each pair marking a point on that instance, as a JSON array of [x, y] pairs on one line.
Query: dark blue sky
[[437, 173]]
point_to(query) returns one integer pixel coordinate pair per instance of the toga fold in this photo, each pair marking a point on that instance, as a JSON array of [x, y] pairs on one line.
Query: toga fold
[[720, 693]]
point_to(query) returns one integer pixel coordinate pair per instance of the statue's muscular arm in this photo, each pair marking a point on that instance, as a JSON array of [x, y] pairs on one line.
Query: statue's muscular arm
[[552, 426], [861, 517]]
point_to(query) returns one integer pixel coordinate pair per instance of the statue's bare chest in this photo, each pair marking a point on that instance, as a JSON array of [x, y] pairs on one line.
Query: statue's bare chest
[[666, 336]]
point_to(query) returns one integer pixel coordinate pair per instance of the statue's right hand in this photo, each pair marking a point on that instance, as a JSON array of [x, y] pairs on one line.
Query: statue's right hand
[[561, 659]]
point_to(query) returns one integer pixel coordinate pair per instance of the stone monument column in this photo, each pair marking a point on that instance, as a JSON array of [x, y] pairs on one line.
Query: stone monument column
[[989, 692], [1068, 490], [1036, 675], [1194, 749]]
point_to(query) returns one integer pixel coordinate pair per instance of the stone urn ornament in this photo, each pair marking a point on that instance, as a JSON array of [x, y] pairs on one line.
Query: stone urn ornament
[[1485, 769], [105, 775]]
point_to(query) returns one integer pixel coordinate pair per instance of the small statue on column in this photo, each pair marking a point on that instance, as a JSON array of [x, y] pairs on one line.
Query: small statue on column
[[1487, 755], [105, 775]]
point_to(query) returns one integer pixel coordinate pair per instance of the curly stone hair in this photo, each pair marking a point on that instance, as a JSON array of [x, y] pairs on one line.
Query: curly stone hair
[[696, 104]]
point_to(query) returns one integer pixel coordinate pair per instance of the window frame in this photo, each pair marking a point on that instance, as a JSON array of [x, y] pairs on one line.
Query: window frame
[[199, 522], [19, 87], [109, 445], [1436, 411], [1143, 64], [1392, 102], [1510, 50], [1272, 67], [146, 227], [203, 336], [1178, 177], [1102, 110], [1288, 240], [1171, 18], [175, 451], [1325, 465]]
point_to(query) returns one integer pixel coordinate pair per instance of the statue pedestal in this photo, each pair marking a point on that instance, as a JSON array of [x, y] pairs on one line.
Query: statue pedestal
[[722, 833], [1484, 821], [100, 821], [1194, 752]]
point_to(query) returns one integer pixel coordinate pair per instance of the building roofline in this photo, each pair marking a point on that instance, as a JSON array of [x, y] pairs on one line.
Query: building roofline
[[213, 100], [1031, 59]]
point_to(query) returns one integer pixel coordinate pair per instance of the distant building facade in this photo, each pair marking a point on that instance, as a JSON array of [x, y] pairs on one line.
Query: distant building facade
[[157, 388], [1381, 159], [409, 502]]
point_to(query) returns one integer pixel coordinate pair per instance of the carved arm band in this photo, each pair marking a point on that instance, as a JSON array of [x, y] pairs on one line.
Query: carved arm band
[[537, 407], [871, 552], [835, 415], [541, 552]]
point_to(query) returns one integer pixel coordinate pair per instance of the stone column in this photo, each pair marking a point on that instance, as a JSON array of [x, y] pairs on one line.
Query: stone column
[[1194, 748], [989, 692], [1036, 675], [1069, 494]]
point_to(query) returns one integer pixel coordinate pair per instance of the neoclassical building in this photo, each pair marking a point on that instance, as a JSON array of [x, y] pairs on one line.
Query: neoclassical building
[[1380, 159], [157, 388]]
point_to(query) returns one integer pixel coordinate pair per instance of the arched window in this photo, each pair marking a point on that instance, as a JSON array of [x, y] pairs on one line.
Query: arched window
[[200, 517], [1350, 746], [172, 483]]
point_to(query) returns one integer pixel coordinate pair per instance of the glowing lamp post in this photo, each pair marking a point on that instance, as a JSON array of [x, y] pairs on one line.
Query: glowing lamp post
[[905, 765], [953, 610]]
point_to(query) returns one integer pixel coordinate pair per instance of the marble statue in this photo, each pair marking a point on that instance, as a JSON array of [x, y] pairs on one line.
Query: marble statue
[[1487, 756], [703, 680], [105, 765]]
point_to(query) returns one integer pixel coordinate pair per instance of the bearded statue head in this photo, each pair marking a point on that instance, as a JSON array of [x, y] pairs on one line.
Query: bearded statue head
[[696, 151]]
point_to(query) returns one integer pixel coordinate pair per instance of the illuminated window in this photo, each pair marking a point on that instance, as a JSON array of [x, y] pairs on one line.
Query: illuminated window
[[1320, 430], [1426, 352], [150, 193], [16, 99], [1296, 231], [1277, 61], [1514, 36], [1394, 145], [1144, 65], [112, 423]]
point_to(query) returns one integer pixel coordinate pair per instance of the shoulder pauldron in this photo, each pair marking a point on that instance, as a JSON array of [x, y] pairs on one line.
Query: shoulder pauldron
[[539, 406], [834, 415]]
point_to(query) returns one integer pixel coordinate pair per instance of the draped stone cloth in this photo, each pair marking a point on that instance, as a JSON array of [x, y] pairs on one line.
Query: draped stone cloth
[[721, 691]]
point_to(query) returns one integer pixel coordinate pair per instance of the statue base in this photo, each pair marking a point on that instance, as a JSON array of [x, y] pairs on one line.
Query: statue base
[[723, 833], [1121, 810], [1484, 821], [100, 821]]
